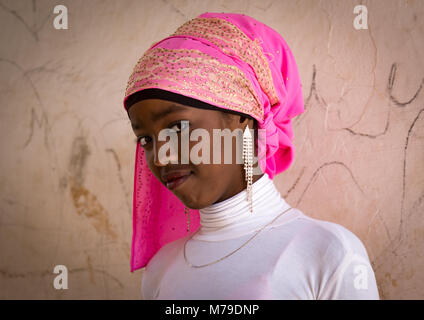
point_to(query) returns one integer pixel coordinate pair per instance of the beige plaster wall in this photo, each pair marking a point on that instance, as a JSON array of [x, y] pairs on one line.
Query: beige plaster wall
[[67, 149]]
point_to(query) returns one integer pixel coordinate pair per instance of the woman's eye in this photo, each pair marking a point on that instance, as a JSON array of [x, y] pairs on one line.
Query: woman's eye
[[143, 140], [180, 125]]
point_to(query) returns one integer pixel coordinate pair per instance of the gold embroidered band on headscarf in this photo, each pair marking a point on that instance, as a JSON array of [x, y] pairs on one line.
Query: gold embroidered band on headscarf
[[194, 73]]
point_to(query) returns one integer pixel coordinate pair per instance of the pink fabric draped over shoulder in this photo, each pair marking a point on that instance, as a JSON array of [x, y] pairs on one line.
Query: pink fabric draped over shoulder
[[230, 61]]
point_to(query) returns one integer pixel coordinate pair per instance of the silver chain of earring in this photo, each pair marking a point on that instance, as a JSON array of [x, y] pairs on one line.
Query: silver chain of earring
[[187, 212], [248, 163]]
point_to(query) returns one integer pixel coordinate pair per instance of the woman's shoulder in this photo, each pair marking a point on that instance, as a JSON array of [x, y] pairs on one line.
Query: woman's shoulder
[[326, 258], [156, 267], [165, 253], [329, 236]]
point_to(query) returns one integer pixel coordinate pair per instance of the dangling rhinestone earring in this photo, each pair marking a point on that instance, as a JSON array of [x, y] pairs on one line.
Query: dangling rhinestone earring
[[187, 212], [248, 163]]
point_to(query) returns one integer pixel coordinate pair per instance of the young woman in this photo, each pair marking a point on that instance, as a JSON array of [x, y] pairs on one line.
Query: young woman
[[217, 229]]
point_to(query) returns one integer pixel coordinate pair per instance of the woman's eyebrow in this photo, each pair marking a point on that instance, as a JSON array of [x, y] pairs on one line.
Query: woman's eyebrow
[[170, 109], [156, 116]]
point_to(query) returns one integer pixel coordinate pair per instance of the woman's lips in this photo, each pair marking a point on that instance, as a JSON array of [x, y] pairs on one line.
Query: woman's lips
[[177, 182]]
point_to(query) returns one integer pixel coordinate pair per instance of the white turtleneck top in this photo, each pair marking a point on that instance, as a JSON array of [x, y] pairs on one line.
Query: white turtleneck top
[[295, 257]]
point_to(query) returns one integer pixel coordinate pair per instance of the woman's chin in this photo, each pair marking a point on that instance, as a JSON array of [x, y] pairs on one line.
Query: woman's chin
[[190, 203], [184, 191], [188, 199], [190, 194]]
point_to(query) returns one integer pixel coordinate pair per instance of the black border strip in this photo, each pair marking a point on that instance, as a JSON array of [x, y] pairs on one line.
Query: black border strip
[[154, 93]]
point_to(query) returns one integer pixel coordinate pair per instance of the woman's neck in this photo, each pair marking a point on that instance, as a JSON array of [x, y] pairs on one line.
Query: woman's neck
[[232, 218], [240, 189]]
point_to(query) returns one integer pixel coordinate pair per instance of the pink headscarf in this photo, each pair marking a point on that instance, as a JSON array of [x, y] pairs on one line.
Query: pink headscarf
[[228, 60]]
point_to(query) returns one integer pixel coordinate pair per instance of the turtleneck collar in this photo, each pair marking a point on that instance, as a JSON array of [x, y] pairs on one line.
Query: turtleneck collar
[[232, 218]]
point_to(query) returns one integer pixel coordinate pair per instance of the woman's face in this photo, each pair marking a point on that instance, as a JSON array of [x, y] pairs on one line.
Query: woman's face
[[205, 183]]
